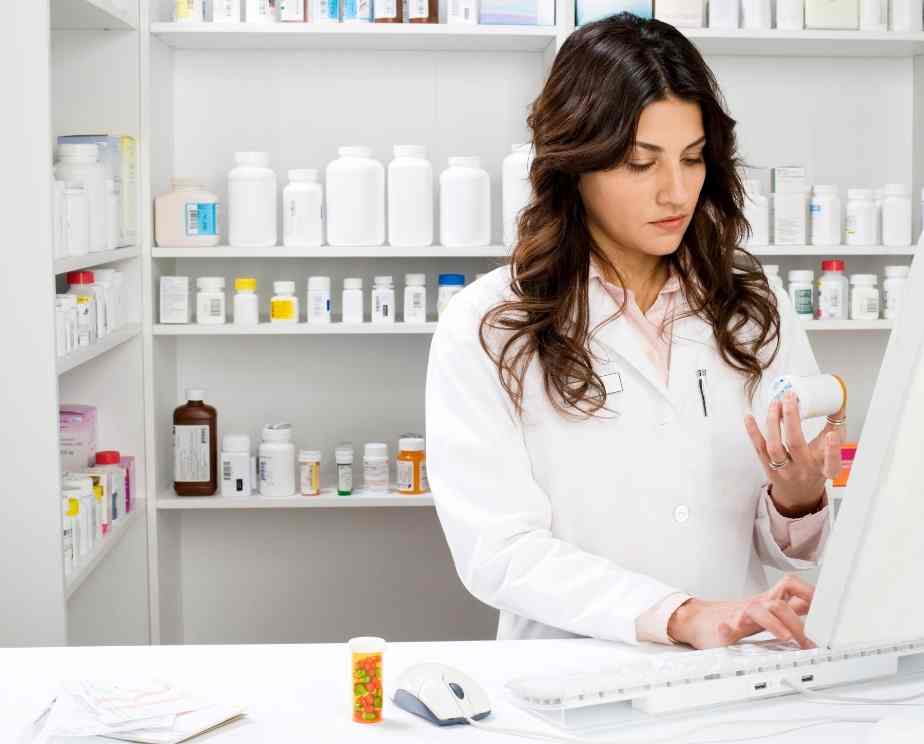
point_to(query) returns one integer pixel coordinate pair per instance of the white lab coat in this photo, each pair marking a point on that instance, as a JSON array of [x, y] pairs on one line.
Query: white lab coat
[[576, 527]]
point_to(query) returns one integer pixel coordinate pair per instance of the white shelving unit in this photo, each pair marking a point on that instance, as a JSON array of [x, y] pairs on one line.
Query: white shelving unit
[[91, 260], [88, 353], [94, 15], [297, 329], [330, 251], [327, 500], [831, 250]]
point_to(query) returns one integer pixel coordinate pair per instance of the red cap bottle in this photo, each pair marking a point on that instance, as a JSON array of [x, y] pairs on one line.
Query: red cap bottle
[[108, 457], [80, 277], [835, 264]]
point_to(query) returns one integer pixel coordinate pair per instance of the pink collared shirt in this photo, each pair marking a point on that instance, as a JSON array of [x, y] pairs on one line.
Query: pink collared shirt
[[797, 537]]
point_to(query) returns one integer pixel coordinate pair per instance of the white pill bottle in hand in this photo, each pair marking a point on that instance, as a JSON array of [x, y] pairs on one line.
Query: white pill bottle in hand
[[819, 395]]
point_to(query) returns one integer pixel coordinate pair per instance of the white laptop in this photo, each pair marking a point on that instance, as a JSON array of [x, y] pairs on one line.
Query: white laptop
[[868, 608]]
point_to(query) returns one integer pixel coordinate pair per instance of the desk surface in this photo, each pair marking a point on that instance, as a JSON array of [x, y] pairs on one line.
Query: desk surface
[[301, 692]]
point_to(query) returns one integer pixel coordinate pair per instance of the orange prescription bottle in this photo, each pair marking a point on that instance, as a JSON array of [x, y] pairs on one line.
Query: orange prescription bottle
[[848, 453], [412, 465], [366, 679]]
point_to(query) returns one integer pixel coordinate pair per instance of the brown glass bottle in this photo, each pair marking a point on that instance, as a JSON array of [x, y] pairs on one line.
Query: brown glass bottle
[[195, 447], [417, 8]]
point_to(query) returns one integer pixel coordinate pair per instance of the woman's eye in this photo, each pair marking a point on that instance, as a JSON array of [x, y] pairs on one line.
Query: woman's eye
[[694, 161], [639, 167]]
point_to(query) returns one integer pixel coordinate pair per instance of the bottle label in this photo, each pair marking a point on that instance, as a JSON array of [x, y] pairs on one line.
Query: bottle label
[[830, 302], [386, 9], [418, 9], [201, 219], [292, 10], [382, 307], [191, 454], [405, 475], [802, 301], [345, 478], [282, 309], [310, 478]]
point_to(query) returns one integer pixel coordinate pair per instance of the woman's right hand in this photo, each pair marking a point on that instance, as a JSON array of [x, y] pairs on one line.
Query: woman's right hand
[[704, 624]]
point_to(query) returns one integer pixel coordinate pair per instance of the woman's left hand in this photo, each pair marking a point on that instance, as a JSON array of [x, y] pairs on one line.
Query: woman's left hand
[[798, 481]]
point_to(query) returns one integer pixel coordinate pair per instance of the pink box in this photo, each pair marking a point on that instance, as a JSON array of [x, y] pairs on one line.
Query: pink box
[[128, 464], [77, 436]]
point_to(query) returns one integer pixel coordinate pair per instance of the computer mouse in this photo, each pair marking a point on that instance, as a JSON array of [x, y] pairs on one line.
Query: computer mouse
[[894, 730], [436, 692]]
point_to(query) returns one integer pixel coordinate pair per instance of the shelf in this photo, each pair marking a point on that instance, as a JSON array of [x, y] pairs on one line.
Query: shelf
[[329, 251], [78, 263], [848, 325], [85, 354], [104, 547], [327, 500], [283, 329], [830, 251], [806, 43], [90, 15], [378, 36]]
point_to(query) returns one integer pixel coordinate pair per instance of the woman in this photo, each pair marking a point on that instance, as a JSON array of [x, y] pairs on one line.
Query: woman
[[592, 446]]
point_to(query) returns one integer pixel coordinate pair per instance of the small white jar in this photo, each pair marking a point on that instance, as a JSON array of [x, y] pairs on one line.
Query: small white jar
[[80, 163], [383, 300], [252, 201], [210, 300], [236, 466], [516, 189], [861, 217], [277, 462], [833, 294], [893, 288], [246, 301], [825, 209], [410, 197], [802, 293], [284, 305], [864, 297], [302, 210], [319, 299], [465, 204], [757, 213], [353, 300], [790, 15], [896, 215], [449, 286], [375, 467], [772, 272], [415, 298]]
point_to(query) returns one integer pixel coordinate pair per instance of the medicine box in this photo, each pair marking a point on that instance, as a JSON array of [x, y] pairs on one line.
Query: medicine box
[[119, 155], [174, 299], [832, 14], [517, 13], [588, 11], [76, 436], [128, 465], [788, 179]]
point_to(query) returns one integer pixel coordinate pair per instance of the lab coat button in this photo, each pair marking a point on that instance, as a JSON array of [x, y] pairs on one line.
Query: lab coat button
[[681, 514]]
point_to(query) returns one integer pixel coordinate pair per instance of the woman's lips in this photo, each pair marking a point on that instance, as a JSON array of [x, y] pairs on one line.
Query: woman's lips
[[670, 225]]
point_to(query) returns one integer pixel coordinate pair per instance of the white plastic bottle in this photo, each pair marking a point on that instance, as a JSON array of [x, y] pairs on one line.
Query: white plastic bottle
[[246, 301], [375, 467], [210, 300], [757, 213], [896, 215], [516, 189], [772, 272], [189, 11], [383, 300], [833, 291], [186, 216], [352, 300], [261, 11], [864, 297], [893, 288], [410, 197], [415, 298], [449, 286], [790, 217], [302, 210], [113, 214], [874, 15], [465, 204], [277, 461], [826, 215], [226, 11], [756, 14], [284, 305], [79, 162], [236, 466], [861, 217], [76, 219], [104, 278], [790, 15], [802, 292], [724, 14], [318, 299], [355, 199], [878, 197], [252, 201], [90, 306]]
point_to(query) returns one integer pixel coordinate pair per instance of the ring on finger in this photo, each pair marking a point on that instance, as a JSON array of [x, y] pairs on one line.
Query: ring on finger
[[836, 422], [780, 465]]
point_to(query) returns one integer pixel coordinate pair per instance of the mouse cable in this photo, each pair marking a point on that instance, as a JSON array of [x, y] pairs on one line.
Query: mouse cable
[[804, 723], [818, 696]]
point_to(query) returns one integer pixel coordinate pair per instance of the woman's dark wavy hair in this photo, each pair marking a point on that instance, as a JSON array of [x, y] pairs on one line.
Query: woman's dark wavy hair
[[586, 119]]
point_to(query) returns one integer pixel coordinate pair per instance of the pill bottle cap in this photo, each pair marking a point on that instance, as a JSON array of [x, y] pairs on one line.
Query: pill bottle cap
[[354, 151], [235, 443], [834, 264], [825, 188], [284, 287], [184, 183], [277, 432], [376, 449], [211, 283], [245, 284], [411, 444], [771, 269], [80, 277], [464, 161], [303, 175], [344, 453], [309, 456], [353, 283], [383, 281], [78, 152], [319, 283], [410, 151], [254, 159], [864, 279], [860, 194], [801, 276], [452, 279], [895, 189], [897, 272], [195, 394], [415, 280], [108, 457]]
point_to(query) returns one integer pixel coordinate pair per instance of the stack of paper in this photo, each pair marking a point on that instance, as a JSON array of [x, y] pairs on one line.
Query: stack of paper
[[147, 712]]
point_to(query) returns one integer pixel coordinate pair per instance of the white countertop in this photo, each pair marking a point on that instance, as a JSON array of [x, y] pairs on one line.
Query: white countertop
[[301, 693]]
